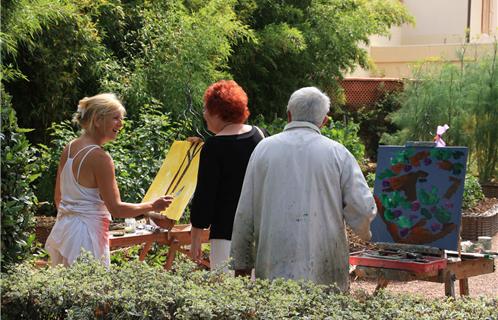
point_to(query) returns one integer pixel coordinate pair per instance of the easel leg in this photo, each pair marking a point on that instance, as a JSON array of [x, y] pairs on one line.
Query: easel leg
[[173, 248], [381, 284], [145, 250], [449, 284], [464, 287]]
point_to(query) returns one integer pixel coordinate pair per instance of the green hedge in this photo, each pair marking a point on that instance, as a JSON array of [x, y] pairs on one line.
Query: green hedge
[[19, 171], [346, 133], [138, 291]]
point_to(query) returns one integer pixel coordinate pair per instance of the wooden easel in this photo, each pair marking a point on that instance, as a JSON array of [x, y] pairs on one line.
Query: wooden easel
[[178, 240]]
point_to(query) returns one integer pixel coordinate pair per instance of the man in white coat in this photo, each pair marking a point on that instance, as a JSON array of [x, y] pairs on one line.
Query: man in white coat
[[299, 189]]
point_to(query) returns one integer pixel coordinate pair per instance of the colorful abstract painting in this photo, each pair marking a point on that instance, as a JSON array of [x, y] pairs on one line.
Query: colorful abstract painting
[[418, 191], [177, 176]]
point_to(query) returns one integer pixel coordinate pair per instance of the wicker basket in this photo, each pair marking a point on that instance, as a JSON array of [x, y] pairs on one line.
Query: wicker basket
[[473, 227], [490, 190]]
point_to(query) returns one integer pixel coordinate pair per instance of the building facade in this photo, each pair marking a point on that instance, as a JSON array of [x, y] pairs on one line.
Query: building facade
[[442, 28]]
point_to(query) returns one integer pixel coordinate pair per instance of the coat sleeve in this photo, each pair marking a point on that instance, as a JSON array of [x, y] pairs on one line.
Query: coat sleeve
[[358, 202], [243, 246]]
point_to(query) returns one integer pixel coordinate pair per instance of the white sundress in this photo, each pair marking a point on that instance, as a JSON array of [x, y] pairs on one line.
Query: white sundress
[[82, 219]]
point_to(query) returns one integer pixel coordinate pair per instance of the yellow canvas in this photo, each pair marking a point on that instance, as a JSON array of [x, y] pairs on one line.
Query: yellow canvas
[[177, 176]]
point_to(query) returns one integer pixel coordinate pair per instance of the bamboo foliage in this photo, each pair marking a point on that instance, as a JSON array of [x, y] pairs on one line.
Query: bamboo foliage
[[464, 96], [484, 91]]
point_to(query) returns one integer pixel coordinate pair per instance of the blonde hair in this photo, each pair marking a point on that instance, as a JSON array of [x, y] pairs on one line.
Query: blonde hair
[[98, 106]]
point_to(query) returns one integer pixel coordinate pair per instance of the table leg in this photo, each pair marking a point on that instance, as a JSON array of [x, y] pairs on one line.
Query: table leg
[[145, 250], [449, 284], [381, 284], [173, 248], [464, 286]]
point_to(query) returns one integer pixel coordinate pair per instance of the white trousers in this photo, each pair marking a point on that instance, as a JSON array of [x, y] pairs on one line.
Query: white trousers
[[220, 254]]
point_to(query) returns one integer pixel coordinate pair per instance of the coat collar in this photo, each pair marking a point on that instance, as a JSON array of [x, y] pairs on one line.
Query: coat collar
[[301, 124]]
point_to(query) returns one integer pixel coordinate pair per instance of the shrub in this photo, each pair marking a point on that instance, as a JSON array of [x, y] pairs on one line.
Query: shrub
[[273, 127], [472, 192], [19, 170], [344, 133], [137, 291], [373, 121]]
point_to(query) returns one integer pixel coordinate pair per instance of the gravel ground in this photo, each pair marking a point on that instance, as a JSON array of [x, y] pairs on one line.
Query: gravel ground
[[485, 285]]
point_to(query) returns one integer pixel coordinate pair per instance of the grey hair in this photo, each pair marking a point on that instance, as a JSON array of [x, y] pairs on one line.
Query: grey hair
[[309, 104]]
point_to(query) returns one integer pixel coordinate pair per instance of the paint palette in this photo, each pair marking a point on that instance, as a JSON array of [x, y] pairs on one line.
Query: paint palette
[[395, 260]]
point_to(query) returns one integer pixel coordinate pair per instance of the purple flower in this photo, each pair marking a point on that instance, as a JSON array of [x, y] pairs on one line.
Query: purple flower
[[427, 161], [415, 205], [397, 213], [408, 168], [385, 184]]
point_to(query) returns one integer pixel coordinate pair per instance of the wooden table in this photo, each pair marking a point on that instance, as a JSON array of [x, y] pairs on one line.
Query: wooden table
[[178, 239], [470, 265]]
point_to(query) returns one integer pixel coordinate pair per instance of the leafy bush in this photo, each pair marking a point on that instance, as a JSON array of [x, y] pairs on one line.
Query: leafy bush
[[138, 152], [141, 147], [472, 192], [273, 127], [344, 133], [370, 179], [373, 121], [19, 171], [137, 291]]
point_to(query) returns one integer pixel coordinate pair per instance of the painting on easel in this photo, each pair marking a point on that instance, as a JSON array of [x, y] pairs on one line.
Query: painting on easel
[[177, 177], [418, 190]]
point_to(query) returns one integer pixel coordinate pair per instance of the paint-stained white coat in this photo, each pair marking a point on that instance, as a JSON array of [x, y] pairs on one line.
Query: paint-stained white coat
[[299, 189]]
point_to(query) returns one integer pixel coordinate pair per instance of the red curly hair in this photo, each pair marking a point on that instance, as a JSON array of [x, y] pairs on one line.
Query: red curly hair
[[227, 100]]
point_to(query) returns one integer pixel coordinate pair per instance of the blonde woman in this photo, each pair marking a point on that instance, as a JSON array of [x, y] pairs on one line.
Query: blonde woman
[[86, 192]]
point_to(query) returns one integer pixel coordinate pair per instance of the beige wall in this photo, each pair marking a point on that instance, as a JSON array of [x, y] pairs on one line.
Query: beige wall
[[439, 32], [397, 61], [440, 21], [437, 21]]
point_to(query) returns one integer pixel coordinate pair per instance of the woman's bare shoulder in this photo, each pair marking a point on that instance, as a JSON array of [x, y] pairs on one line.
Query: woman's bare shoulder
[[99, 154]]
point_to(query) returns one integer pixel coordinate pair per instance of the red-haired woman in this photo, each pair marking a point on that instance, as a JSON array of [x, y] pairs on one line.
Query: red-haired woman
[[222, 166]]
